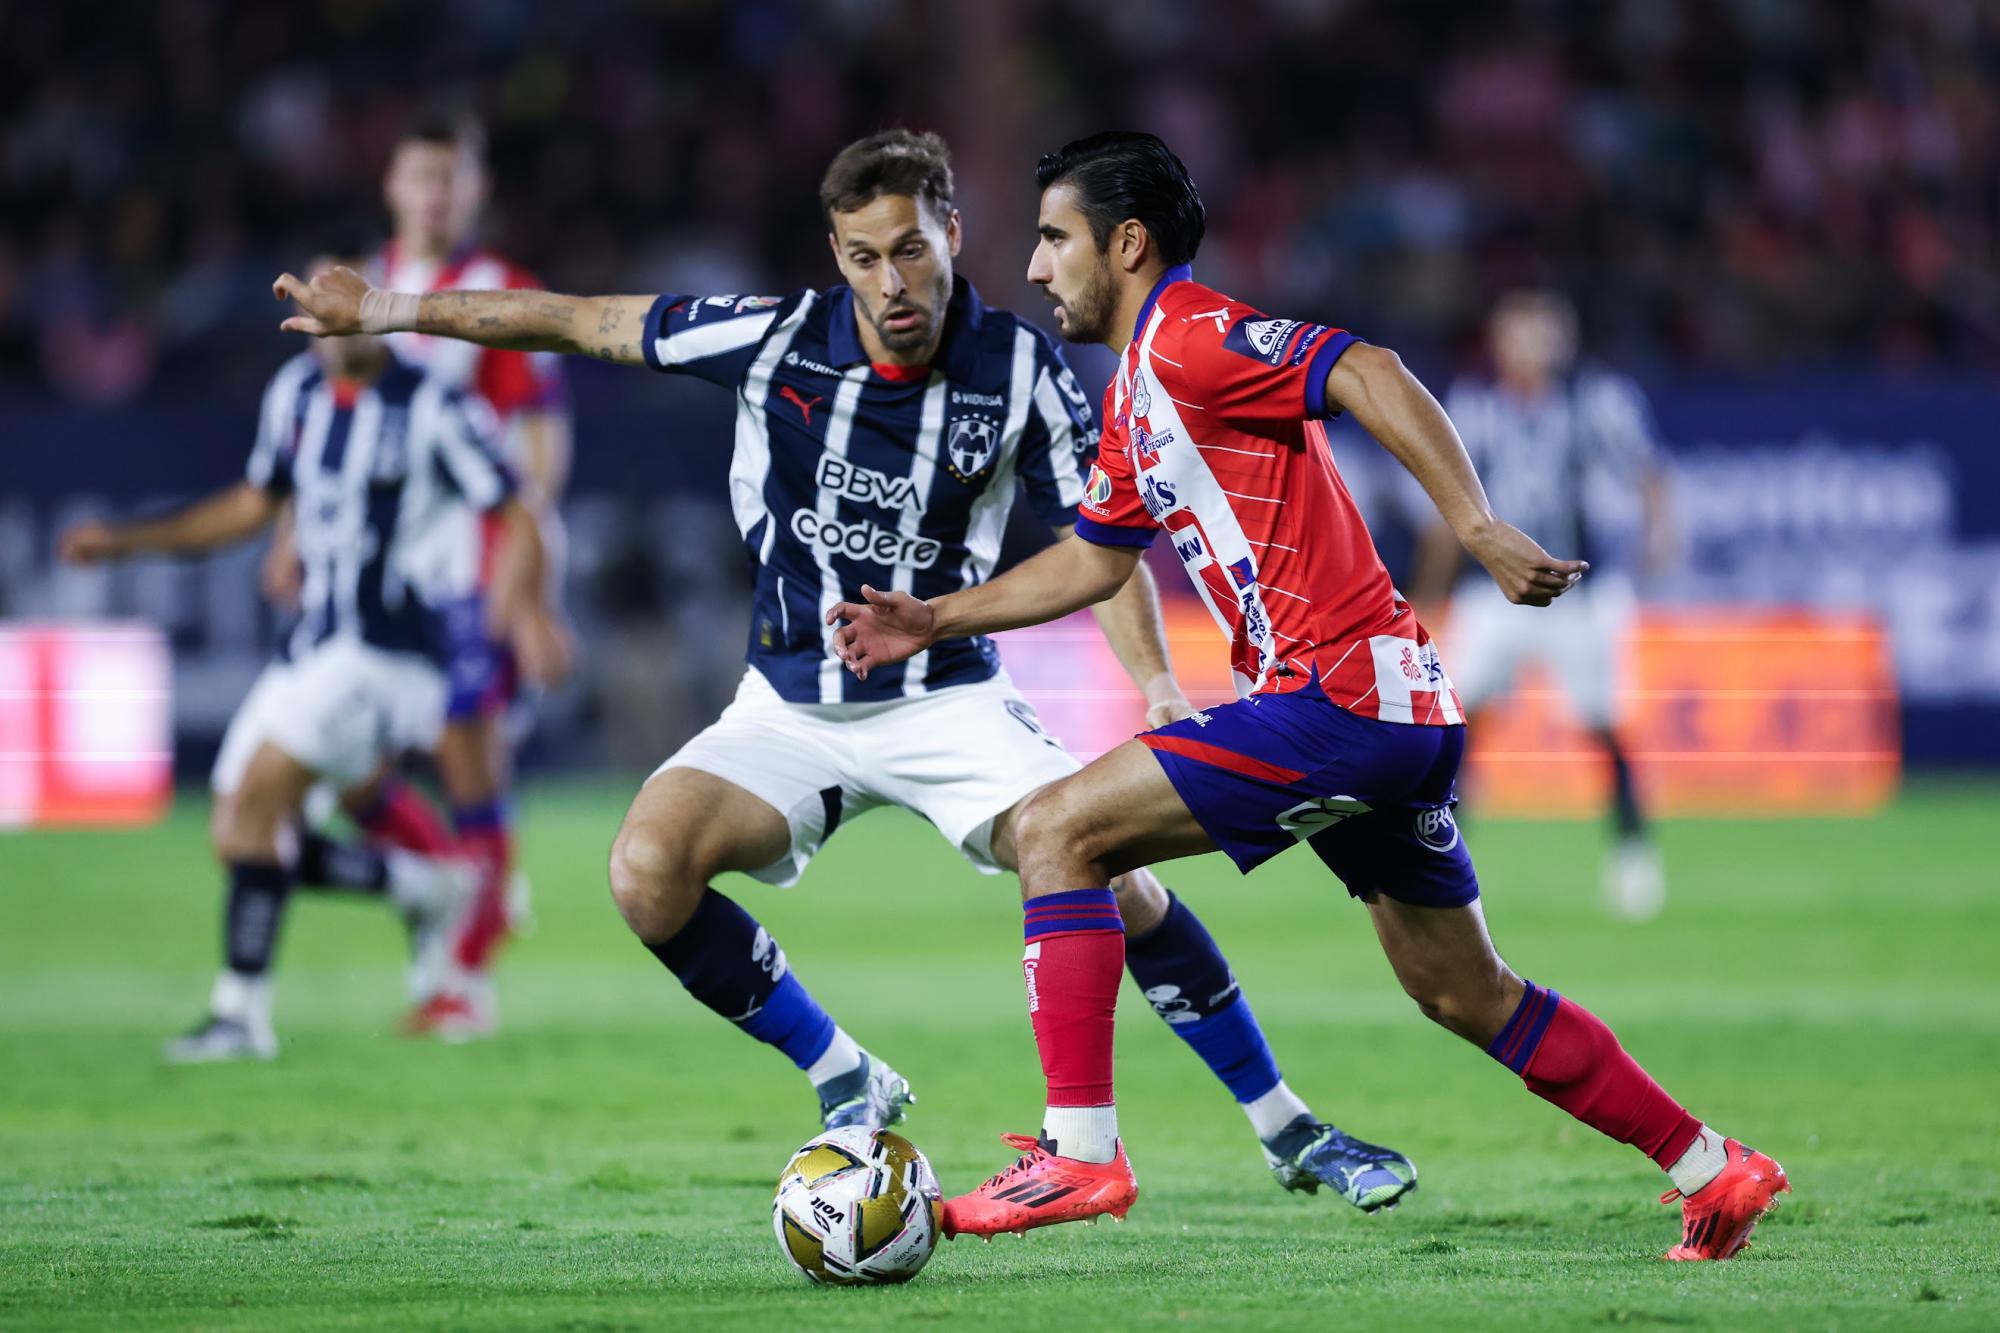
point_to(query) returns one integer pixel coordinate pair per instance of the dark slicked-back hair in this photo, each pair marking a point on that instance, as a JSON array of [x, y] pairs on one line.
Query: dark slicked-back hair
[[903, 162], [447, 124], [1122, 174]]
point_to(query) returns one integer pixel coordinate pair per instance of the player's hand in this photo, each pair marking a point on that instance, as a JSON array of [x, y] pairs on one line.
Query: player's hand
[[330, 304], [1525, 572], [543, 648], [90, 543], [888, 627]]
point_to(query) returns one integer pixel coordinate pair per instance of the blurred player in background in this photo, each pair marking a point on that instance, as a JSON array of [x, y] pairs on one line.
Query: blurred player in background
[[435, 188], [1347, 736], [377, 458], [883, 429], [1568, 453]]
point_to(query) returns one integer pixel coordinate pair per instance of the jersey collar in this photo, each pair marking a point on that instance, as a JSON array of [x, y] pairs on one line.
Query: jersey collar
[[958, 351], [1178, 273]]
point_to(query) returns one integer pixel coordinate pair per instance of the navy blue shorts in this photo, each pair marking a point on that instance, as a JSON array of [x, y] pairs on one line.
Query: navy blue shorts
[[479, 668], [1374, 799]]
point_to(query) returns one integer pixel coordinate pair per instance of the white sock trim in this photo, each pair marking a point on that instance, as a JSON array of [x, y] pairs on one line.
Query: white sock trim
[[1087, 1133], [1274, 1110], [841, 1056], [1701, 1163]]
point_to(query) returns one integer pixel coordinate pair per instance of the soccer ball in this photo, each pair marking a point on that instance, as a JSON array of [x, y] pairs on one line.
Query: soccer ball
[[857, 1206]]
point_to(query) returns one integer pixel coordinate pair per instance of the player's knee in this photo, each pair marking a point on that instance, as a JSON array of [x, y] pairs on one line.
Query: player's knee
[[652, 870], [245, 826], [1053, 822]]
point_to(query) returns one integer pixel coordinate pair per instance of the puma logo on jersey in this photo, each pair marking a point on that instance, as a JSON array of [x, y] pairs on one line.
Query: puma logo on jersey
[[804, 403]]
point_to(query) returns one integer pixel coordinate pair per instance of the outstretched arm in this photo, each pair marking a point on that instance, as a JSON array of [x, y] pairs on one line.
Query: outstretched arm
[[1130, 619], [893, 626], [221, 519], [339, 302], [1392, 405]]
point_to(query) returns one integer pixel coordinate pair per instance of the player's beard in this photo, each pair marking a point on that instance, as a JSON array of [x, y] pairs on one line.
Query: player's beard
[[1086, 318], [918, 336]]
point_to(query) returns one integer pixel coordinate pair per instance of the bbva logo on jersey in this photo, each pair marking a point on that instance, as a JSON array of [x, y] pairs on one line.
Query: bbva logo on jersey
[[971, 445]]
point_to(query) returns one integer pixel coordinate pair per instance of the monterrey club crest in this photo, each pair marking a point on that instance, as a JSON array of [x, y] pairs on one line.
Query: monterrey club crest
[[971, 445]]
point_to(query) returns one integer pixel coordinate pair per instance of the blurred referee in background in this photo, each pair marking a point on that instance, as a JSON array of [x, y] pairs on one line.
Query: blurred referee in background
[[1568, 450]]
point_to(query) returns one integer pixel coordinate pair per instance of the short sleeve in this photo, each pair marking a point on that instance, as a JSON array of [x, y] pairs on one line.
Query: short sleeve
[[712, 337], [1057, 441], [270, 465], [463, 434], [1252, 370], [1112, 513]]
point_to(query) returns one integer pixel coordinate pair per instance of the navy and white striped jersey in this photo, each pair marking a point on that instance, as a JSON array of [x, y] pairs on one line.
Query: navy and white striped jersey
[[1565, 467], [846, 473], [376, 472]]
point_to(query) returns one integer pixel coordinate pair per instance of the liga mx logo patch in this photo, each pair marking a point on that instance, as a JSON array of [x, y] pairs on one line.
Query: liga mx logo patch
[[1097, 491], [971, 445]]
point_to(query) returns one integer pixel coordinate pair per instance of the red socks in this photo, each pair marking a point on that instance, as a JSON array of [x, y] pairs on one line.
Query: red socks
[[1074, 962], [1566, 1055], [403, 818], [485, 838]]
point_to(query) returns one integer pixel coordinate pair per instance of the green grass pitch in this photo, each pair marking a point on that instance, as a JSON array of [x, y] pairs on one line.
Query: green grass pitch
[[1828, 990]]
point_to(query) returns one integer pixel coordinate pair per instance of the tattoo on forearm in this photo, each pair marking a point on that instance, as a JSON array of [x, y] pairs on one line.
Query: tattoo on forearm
[[498, 319]]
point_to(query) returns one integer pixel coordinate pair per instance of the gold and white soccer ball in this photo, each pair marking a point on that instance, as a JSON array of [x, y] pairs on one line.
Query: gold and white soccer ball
[[858, 1206]]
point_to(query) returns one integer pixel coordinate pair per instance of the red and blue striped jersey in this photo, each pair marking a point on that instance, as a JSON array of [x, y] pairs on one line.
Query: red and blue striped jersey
[[1215, 433]]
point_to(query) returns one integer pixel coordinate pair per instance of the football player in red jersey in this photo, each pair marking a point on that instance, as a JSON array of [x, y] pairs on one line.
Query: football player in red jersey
[[1347, 734]]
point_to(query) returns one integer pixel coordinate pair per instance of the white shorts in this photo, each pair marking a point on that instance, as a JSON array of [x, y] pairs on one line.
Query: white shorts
[[340, 710], [1579, 637], [960, 758]]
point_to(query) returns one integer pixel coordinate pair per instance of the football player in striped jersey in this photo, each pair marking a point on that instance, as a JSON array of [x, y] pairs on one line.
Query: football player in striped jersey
[[377, 457], [1348, 733], [435, 187], [883, 430]]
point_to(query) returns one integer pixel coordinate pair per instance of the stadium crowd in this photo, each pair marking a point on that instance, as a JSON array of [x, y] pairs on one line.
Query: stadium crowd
[[1737, 185]]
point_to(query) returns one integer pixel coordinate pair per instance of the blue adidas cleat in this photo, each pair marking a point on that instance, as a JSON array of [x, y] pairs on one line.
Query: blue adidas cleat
[[1307, 1154], [872, 1095]]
